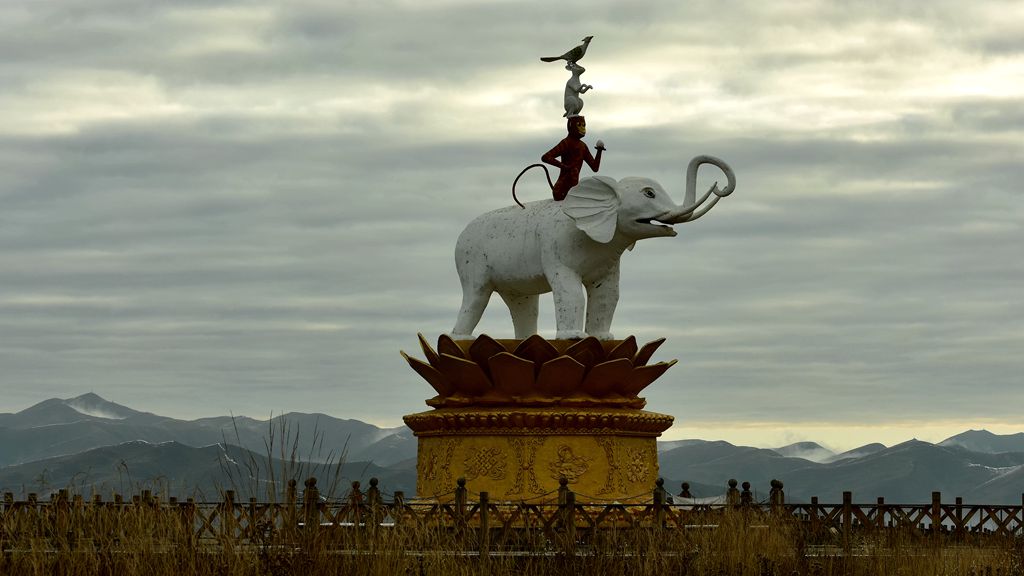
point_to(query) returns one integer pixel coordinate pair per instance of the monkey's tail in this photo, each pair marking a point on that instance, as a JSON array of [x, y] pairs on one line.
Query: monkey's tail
[[514, 182]]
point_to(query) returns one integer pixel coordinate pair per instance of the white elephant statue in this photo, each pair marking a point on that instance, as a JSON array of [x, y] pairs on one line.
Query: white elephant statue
[[568, 246]]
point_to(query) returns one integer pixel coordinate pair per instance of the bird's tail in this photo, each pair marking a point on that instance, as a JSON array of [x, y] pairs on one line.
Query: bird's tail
[[550, 58]]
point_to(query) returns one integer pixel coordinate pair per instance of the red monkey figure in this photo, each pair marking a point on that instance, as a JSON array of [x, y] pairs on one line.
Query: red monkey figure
[[573, 153]]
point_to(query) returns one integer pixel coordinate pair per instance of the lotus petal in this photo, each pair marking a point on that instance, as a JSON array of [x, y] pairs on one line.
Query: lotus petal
[[587, 351], [560, 377], [512, 376], [603, 377], [483, 348], [445, 345], [641, 377], [625, 349], [436, 380], [466, 376], [428, 351], [644, 355], [537, 349]]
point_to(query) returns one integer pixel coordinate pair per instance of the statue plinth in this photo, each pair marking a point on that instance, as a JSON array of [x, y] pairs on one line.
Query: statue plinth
[[513, 417]]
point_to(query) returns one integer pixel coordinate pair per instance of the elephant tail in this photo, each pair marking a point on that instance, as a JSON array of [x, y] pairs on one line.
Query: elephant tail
[[514, 182]]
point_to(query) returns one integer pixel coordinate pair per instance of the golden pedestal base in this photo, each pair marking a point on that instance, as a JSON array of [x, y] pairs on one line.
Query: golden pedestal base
[[521, 454], [514, 417]]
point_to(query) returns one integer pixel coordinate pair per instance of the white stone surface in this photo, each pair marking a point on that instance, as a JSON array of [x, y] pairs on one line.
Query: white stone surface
[[569, 248]]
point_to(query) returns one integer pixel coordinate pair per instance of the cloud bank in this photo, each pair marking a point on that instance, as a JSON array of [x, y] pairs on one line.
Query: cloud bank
[[251, 207]]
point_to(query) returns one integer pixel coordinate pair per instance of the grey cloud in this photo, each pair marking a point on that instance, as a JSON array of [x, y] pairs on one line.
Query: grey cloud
[[990, 115], [278, 260]]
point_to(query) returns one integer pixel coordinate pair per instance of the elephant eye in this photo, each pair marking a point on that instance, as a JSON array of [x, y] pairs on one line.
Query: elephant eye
[[649, 192]]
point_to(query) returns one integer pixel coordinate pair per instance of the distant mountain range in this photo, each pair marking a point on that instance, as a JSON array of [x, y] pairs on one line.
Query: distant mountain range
[[90, 444], [64, 427], [906, 473]]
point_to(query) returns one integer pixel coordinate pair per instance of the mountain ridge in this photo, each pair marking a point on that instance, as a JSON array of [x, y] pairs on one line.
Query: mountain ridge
[[88, 432], [55, 427]]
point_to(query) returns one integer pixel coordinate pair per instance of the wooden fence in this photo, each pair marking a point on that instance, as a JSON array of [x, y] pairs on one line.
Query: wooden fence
[[359, 518]]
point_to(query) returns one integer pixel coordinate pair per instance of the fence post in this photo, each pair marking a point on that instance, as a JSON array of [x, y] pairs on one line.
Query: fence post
[[398, 508], [8, 500], [460, 500], [291, 499], [7, 509], [959, 520], [227, 517], [563, 489], [311, 505], [732, 495], [485, 530], [355, 508], [570, 524], [374, 502], [685, 493], [33, 505], [659, 487], [62, 519], [659, 504], [253, 527], [1020, 523], [355, 503], [190, 517], [290, 496], [374, 515], [776, 496], [746, 497], [77, 513], [172, 508], [815, 524], [880, 513], [936, 516], [847, 520]]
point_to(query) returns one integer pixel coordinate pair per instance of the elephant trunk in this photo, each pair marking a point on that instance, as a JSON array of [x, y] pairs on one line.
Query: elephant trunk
[[689, 212]]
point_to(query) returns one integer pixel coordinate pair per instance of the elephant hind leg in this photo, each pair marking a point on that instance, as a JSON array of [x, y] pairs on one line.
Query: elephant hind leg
[[524, 313], [473, 304]]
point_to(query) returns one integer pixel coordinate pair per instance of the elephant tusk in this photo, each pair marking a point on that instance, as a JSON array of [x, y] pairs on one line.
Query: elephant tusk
[[684, 214], [689, 212], [704, 210]]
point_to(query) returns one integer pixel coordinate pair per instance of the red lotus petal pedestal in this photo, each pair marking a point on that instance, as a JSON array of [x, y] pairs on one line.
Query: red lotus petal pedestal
[[514, 417]]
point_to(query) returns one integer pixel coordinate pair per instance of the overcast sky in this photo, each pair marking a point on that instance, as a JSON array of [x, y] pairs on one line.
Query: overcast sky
[[251, 207]]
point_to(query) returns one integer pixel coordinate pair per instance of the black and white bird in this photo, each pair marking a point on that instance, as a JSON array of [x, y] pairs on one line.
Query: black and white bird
[[574, 55]]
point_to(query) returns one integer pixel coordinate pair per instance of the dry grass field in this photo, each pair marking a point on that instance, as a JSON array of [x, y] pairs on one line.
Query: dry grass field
[[157, 540]]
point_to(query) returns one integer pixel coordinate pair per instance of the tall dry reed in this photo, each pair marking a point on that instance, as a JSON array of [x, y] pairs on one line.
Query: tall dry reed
[[149, 539]]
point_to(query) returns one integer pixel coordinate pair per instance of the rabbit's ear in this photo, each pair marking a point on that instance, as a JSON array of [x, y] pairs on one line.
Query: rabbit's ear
[[593, 204]]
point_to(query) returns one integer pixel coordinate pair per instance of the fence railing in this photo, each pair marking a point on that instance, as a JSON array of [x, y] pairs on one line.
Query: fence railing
[[359, 518]]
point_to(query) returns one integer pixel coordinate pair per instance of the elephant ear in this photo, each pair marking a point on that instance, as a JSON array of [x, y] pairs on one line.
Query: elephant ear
[[593, 204]]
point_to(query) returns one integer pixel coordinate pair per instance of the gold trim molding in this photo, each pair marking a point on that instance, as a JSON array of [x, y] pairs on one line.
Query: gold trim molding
[[516, 422]]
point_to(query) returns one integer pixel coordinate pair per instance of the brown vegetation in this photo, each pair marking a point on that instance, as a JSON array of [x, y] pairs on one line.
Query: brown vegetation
[[146, 536]]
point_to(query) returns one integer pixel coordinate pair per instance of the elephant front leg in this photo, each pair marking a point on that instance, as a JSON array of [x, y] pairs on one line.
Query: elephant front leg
[[567, 290], [602, 298]]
